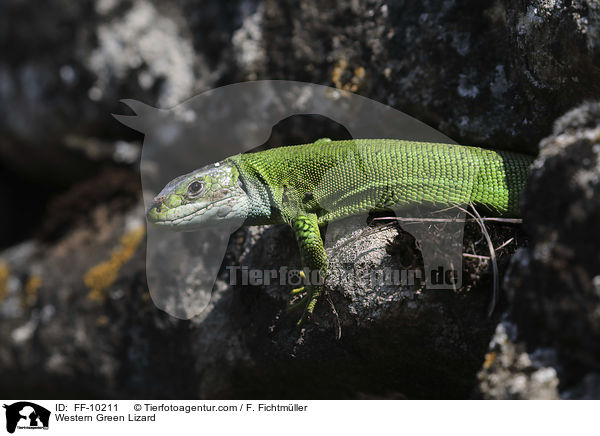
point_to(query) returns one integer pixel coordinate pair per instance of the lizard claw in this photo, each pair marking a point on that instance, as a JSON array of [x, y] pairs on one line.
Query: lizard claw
[[297, 290], [307, 301], [310, 307]]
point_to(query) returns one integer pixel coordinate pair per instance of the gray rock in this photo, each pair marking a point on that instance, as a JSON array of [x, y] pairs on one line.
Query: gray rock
[[554, 293], [500, 64], [59, 84], [552, 283], [510, 372]]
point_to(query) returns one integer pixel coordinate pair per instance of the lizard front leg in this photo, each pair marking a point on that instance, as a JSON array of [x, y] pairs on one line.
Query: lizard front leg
[[313, 257]]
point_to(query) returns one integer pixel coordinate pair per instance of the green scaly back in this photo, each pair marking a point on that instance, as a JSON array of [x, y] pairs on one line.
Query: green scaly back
[[334, 179]]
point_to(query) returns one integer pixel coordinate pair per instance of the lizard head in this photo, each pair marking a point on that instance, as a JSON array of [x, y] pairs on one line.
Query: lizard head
[[207, 197]]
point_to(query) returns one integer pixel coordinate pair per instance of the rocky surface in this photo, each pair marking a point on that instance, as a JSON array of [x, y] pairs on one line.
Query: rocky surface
[[553, 283], [511, 372], [501, 64], [83, 324], [75, 312], [548, 345], [560, 270]]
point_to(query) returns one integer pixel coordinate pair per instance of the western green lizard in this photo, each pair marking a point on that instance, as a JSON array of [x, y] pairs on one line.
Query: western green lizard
[[307, 186]]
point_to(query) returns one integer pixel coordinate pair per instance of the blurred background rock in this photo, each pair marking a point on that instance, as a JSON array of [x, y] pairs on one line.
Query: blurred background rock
[[75, 315]]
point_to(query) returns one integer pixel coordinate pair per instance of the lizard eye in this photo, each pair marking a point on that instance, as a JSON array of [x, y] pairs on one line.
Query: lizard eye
[[195, 188]]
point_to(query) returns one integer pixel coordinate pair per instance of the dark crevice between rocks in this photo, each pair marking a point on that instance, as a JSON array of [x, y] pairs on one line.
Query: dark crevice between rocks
[[118, 188], [23, 204]]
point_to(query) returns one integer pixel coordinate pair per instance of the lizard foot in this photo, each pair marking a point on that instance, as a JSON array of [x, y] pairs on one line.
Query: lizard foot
[[312, 299], [297, 290], [307, 301]]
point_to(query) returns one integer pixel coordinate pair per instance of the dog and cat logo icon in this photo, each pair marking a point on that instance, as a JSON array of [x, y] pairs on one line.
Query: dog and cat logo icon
[[26, 415]]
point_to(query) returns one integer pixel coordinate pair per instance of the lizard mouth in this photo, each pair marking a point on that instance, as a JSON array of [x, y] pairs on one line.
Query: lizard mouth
[[174, 222]]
